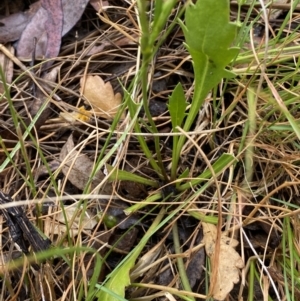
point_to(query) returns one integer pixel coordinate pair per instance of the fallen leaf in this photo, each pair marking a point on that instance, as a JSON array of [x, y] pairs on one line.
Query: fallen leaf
[[54, 26], [43, 170], [76, 221], [73, 10], [47, 21], [229, 260], [100, 96], [35, 29], [11, 27], [78, 167], [46, 26]]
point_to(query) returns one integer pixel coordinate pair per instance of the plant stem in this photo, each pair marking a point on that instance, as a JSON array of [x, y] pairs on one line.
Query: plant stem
[[180, 263]]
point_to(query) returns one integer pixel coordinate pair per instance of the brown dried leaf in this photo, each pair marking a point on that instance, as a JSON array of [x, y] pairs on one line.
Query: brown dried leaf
[[35, 29], [73, 10], [54, 26], [44, 170], [47, 21], [46, 26], [229, 261], [12, 26], [100, 96], [78, 167]]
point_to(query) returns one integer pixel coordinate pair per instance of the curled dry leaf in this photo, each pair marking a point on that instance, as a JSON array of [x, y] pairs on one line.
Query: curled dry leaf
[[35, 29], [100, 96], [78, 167], [229, 261]]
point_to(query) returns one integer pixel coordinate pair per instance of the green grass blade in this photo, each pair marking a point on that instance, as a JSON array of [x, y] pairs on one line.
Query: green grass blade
[[123, 175], [219, 166], [177, 106]]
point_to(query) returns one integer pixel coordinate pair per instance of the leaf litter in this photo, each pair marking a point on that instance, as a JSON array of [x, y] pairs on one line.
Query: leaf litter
[[47, 21], [230, 262], [78, 167], [108, 49], [100, 96]]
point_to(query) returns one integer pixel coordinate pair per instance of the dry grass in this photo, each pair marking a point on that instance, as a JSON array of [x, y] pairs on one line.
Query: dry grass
[[259, 194]]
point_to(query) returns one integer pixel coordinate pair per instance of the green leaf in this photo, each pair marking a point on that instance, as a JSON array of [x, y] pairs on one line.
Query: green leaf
[[184, 174], [177, 106], [202, 217], [123, 175], [118, 281], [161, 15], [208, 36], [207, 30], [219, 166], [119, 278]]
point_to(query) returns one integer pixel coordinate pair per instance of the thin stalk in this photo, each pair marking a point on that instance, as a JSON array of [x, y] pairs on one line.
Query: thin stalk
[[291, 255], [149, 50], [251, 281], [148, 54], [180, 263], [144, 78]]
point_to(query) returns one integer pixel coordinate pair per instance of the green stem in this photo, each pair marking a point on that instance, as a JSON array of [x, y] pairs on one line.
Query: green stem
[[180, 263]]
